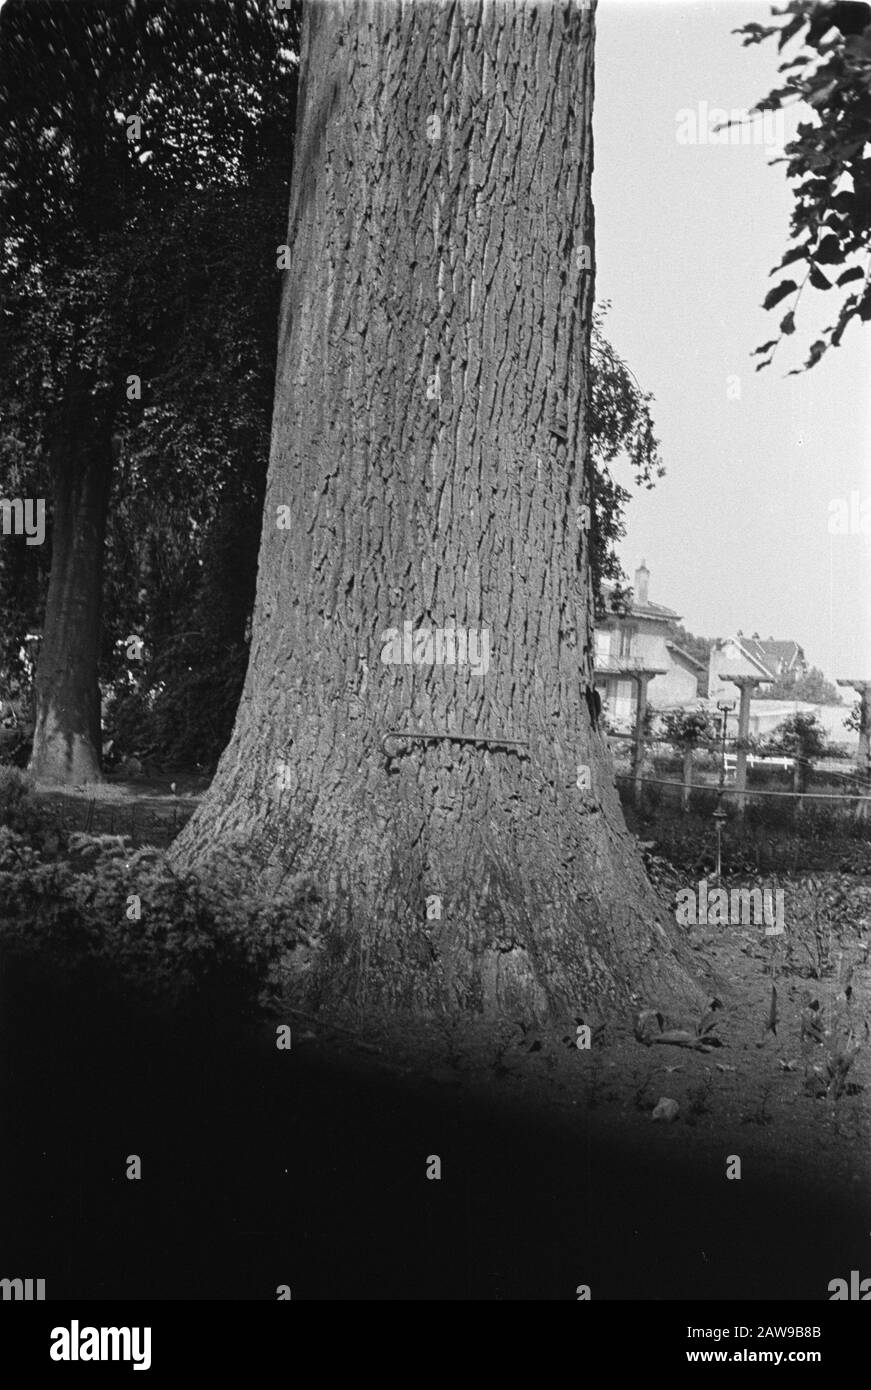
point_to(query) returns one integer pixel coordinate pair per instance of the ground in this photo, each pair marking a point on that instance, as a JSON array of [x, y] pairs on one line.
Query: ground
[[308, 1167], [147, 809]]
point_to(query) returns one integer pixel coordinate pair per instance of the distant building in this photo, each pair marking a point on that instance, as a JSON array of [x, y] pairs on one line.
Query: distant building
[[751, 656], [642, 638]]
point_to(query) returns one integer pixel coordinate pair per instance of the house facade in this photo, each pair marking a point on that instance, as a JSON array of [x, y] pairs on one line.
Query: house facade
[[768, 659], [641, 639]]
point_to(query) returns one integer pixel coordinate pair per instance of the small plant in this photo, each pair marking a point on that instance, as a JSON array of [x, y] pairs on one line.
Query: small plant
[[761, 1115], [839, 1062]]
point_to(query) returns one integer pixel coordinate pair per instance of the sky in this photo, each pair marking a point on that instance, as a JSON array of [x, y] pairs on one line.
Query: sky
[[736, 535]]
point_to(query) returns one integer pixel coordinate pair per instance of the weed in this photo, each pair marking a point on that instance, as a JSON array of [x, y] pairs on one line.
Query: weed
[[761, 1115]]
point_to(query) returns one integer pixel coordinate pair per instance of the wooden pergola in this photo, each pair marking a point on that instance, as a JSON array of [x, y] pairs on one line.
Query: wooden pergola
[[746, 685]]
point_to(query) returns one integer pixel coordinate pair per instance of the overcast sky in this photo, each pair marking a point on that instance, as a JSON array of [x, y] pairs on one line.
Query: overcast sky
[[736, 535]]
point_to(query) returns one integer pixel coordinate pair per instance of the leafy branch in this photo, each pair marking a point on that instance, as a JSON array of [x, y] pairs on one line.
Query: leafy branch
[[831, 217]]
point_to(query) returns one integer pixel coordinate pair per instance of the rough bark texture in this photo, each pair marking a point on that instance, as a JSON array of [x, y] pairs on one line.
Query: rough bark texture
[[67, 737], [429, 439]]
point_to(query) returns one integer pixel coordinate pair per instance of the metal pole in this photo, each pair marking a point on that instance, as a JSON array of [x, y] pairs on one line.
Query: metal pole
[[724, 706]]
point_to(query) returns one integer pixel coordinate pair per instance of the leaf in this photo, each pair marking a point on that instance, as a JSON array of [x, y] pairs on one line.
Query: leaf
[[788, 30], [821, 97], [813, 188], [779, 292], [854, 273], [816, 352], [787, 324], [848, 309], [818, 279], [754, 33], [829, 251], [797, 253]]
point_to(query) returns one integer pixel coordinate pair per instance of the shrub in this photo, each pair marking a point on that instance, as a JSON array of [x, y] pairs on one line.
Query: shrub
[[800, 736], [14, 787], [687, 728], [198, 941], [18, 810]]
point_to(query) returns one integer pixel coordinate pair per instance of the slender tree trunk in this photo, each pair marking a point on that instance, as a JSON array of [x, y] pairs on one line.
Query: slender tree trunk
[[67, 736], [429, 440], [687, 776]]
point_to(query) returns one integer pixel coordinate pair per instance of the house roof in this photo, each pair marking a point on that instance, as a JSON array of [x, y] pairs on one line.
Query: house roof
[[786, 652], [769, 654], [641, 610], [679, 651], [625, 666], [719, 662]]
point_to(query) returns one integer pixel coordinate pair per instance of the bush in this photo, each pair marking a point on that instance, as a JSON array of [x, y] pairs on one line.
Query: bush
[[18, 810], [196, 942], [800, 736], [15, 746], [14, 787], [687, 728]]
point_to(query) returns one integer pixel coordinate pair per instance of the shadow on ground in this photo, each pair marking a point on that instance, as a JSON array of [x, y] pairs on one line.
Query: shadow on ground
[[308, 1168]]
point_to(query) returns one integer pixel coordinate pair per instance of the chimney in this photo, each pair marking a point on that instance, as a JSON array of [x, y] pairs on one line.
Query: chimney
[[642, 576]]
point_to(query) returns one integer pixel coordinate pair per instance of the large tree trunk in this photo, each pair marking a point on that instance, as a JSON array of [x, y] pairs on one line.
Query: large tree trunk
[[429, 440], [67, 736]]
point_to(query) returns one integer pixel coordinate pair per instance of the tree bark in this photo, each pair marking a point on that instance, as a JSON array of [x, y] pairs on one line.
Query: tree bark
[[430, 441], [67, 736]]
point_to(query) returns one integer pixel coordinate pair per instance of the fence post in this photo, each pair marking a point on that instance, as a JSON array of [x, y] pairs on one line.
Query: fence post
[[687, 777], [746, 684]]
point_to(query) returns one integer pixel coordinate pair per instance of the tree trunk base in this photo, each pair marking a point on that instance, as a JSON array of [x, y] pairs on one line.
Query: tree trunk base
[[62, 758], [544, 920]]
